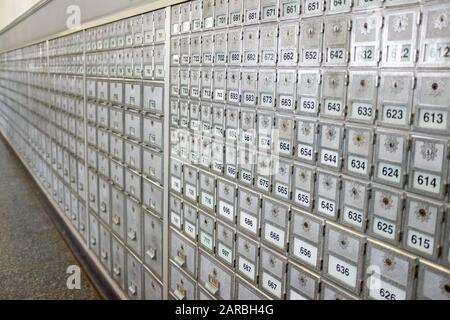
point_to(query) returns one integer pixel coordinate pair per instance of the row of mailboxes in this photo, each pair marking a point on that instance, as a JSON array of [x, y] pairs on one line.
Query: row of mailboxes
[[389, 99], [341, 259], [390, 158], [367, 39], [389, 215], [200, 15]]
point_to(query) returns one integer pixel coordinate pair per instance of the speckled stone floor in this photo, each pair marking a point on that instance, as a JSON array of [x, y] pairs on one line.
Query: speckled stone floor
[[33, 256]]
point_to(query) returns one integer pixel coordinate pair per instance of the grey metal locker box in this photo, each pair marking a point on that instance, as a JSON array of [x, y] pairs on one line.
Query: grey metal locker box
[[310, 42], [175, 207], [116, 92], [247, 258], [433, 282], [128, 63], [152, 197], [174, 82], [334, 93], [207, 50], [133, 95], [102, 91], [175, 19], [234, 47], [67, 201], [273, 273], [153, 98], [194, 112], [395, 99], [327, 194], [219, 83], [286, 90], [184, 114], [158, 54], [60, 160], [215, 278], [196, 15], [218, 154], [390, 158], [104, 200], [344, 258], [331, 145], [116, 116], [103, 140], [195, 49], [118, 262], [336, 40], [303, 186], [147, 62], [431, 103], [226, 200], [274, 224], [422, 226], [289, 9], [263, 179], [180, 285], [207, 185], [245, 161], [190, 183], [308, 92], [153, 242], [82, 216], [134, 277], [147, 24], [362, 96], [117, 147], [176, 175], [366, 39], [307, 239], [284, 136], [195, 83], [133, 155], [231, 160], [91, 89], [206, 233], [94, 235], [133, 125], [435, 36], [235, 12], [268, 47], [73, 172], [249, 86], [152, 164], [218, 121], [153, 290], [105, 248], [174, 113], [133, 184], [385, 214], [265, 122], [233, 95], [92, 154], [247, 132], [220, 47], [282, 180], [206, 151], [249, 204], [354, 203], [93, 191], [81, 179], [103, 116], [247, 292], [189, 220], [232, 124], [185, 43], [225, 244], [302, 284], [118, 212], [183, 253], [400, 36], [134, 223], [428, 166], [175, 51], [74, 217], [390, 274], [117, 174], [208, 14], [138, 60], [332, 292], [288, 43], [153, 133]]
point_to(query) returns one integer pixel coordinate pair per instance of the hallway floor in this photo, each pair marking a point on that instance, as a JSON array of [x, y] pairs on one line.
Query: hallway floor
[[33, 255]]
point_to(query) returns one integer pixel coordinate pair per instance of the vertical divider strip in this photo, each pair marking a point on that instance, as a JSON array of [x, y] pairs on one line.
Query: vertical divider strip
[[166, 154]]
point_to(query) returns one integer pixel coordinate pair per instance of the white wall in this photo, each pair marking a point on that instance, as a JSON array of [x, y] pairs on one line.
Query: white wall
[[12, 9]]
